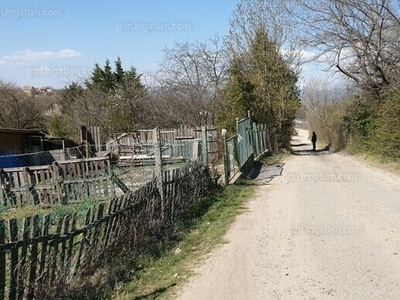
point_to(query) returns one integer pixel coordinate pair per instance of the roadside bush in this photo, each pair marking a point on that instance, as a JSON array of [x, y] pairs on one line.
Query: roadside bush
[[330, 127], [359, 125], [351, 125], [386, 141], [364, 124]]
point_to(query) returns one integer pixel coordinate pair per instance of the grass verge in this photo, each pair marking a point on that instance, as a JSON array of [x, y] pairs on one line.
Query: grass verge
[[57, 210], [377, 161], [211, 218], [159, 276]]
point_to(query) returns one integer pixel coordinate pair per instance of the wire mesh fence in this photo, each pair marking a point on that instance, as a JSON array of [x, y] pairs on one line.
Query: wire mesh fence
[[9, 160], [60, 177]]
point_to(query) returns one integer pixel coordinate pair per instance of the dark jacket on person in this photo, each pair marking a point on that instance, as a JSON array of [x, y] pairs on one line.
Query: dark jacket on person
[[314, 137]]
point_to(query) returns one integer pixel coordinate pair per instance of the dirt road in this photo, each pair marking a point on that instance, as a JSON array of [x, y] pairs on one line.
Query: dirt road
[[327, 228]]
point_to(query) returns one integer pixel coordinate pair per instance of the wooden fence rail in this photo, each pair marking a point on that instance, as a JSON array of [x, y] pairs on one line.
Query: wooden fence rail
[[59, 183], [41, 255]]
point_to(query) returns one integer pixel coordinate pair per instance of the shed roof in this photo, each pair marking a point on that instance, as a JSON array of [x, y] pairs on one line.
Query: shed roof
[[27, 131]]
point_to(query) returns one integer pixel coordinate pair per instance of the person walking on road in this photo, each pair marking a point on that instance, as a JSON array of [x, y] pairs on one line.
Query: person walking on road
[[314, 140]]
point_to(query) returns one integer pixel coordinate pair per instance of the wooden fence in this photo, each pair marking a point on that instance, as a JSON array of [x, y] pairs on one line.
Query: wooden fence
[[59, 183], [173, 142], [41, 256]]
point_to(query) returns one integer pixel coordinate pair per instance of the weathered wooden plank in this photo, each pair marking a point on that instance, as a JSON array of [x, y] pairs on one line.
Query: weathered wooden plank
[[118, 230], [89, 237], [33, 258], [166, 192], [66, 192], [106, 225], [3, 186], [104, 184], [79, 172], [44, 251], [32, 195], [13, 225], [58, 192], [96, 239], [35, 175], [83, 242], [26, 198], [40, 180], [97, 166], [70, 249], [26, 235], [64, 242], [110, 221], [78, 160], [55, 252], [15, 186], [54, 196], [115, 218], [173, 191], [2, 260]]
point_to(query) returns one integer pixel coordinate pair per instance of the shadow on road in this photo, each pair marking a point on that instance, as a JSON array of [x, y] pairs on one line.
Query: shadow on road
[[262, 173], [300, 145], [301, 148], [324, 151]]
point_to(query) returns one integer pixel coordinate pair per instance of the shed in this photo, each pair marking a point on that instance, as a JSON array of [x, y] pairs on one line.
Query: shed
[[19, 141]]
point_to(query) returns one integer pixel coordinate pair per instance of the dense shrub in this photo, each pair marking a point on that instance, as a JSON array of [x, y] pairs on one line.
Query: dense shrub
[[330, 127], [386, 141], [365, 124], [359, 125]]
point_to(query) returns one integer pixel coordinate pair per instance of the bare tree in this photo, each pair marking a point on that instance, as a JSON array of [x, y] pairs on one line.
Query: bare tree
[[274, 18], [359, 38], [78, 106], [192, 74], [317, 94], [161, 107], [19, 109]]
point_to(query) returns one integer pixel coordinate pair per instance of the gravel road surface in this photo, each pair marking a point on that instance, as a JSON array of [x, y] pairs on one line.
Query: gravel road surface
[[327, 228]]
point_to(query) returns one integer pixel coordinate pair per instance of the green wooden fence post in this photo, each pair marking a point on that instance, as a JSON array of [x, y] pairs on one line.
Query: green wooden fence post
[[237, 147], [226, 158]]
